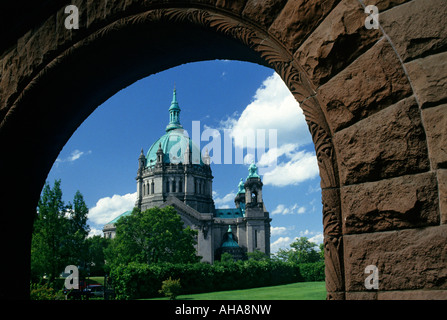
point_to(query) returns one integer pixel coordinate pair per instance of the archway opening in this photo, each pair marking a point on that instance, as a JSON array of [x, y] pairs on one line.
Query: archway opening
[[218, 96]]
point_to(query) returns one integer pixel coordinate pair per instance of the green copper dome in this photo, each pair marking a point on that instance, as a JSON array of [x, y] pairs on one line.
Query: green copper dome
[[230, 242], [174, 143]]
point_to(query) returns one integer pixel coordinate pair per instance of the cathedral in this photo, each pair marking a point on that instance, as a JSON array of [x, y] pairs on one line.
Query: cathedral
[[175, 173]]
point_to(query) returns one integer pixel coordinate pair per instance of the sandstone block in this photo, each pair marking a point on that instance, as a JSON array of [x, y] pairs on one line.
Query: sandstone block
[[442, 185], [398, 203], [413, 295], [383, 5], [371, 83], [435, 123], [429, 78], [408, 259], [263, 12], [416, 27], [297, 20], [388, 144], [336, 42]]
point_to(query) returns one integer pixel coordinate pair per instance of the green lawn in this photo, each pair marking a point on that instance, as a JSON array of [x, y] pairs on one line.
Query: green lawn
[[293, 291]]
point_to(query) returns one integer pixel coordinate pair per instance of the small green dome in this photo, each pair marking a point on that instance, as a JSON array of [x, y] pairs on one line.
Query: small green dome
[[230, 242]]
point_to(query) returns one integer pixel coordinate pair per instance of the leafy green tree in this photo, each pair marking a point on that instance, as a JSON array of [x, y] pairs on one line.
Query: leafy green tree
[[96, 258], [153, 236], [59, 233], [226, 258], [257, 255], [77, 232], [305, 250], [49, 234], [301, 251]]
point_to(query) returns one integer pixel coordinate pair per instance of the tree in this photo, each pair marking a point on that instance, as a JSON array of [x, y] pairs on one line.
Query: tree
[[59, 233], [257, 255], [301, 251], [50, 227], [153, 236], [96, 258], [305, 250], [77, 251]]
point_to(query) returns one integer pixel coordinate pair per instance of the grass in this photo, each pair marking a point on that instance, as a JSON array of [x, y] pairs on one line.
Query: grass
[[99, 280], [293, 291]]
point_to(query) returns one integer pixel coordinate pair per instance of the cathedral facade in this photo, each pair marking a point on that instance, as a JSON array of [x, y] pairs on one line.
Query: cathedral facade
[[174, 173]]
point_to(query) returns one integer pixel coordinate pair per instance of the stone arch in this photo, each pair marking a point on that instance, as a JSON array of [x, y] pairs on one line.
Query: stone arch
[[371, 98]]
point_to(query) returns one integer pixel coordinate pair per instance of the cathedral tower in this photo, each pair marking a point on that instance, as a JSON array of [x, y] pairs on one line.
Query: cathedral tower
[[174, 167]]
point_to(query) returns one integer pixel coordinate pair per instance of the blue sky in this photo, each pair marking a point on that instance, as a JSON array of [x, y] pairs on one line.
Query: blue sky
[[101, 158]]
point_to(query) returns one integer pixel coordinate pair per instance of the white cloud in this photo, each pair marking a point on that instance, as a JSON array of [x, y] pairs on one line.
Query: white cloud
[[225, 201], [277, 231], [273, 107], [318, 238], [108, 208], [273, 126], [75, 155], [284, 242], [94, 232], [295, 209], [301, 167], [281, 243], [312, 236]]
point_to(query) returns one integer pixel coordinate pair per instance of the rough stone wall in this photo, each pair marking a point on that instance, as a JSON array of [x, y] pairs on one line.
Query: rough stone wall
[[375, 102]]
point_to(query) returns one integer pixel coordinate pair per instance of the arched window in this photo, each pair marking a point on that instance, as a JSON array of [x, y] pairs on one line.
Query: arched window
[[152, 187], [174, 184], [167, 186], [180, 183]]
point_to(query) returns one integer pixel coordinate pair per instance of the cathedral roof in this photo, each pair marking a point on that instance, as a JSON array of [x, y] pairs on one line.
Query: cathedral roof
[[120, 216], [174, 143], [232, 213]]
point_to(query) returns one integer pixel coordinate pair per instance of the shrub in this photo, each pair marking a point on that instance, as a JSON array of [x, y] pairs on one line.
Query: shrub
[[44, 292], [137, 280], [313, 271], [171, 288]]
